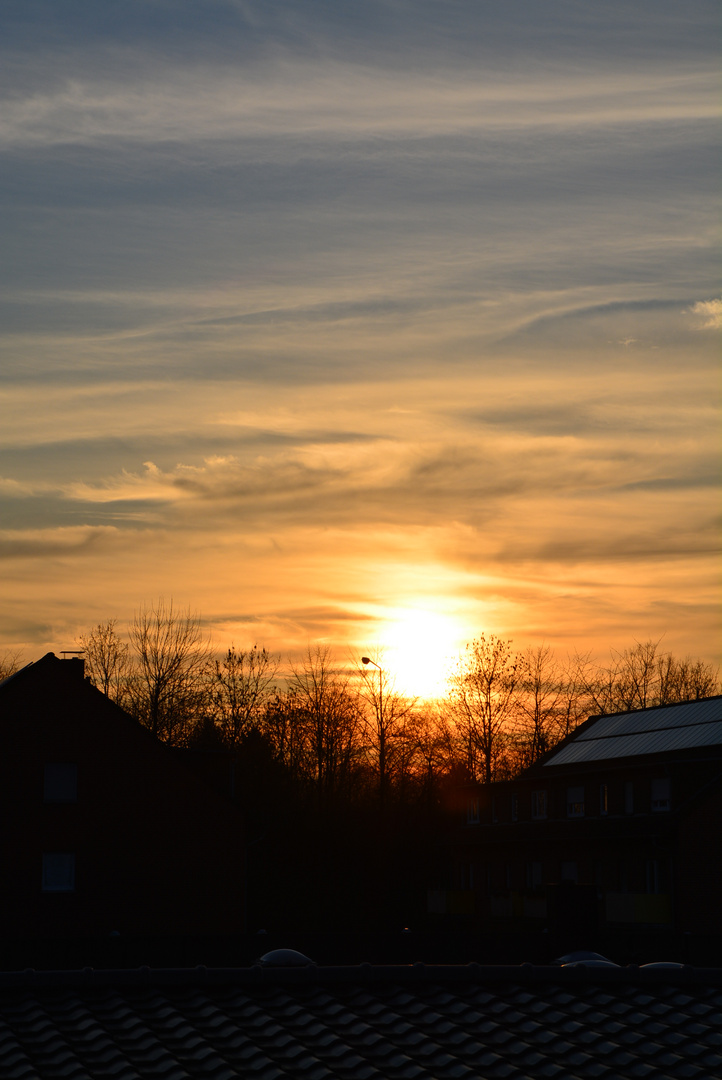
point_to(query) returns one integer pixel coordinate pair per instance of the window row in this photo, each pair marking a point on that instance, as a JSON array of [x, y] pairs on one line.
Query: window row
[[577, 806], [579, 801], [637, 875]]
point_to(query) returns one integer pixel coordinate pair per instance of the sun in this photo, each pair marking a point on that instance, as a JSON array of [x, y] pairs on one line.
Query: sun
[[418, 647]]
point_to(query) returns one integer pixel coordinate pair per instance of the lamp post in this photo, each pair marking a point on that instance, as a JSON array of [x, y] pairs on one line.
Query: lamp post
[[366, 660]]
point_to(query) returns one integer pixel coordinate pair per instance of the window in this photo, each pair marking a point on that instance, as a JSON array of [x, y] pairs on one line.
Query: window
[[661, 800], [569, 872], [533, 875], [575, 802], [656, 875], [59, 872], [472, 812], [629, 797], [603, 800], [538, 805], [465, 875], [515, 807], [60, 782]]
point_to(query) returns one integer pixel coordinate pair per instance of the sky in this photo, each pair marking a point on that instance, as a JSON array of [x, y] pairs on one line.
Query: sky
[[378, 324]]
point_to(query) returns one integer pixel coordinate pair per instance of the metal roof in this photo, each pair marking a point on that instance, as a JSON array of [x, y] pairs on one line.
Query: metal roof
[[647, 731]]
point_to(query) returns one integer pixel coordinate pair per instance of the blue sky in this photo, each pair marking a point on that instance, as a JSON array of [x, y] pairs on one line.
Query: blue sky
[[323, 317]]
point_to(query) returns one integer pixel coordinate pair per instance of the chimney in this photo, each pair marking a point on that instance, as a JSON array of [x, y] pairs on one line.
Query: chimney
[[73, 658]]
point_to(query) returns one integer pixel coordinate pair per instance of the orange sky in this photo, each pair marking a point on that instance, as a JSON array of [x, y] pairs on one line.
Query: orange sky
[[363, 334]]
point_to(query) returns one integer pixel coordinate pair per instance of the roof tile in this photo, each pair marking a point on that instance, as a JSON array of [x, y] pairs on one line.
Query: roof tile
[[433, 1030]]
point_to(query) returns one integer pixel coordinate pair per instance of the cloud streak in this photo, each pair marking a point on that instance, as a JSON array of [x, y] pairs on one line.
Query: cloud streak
[[342, 101]]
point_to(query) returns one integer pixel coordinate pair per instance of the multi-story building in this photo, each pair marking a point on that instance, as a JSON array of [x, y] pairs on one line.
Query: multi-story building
[[615, 833]]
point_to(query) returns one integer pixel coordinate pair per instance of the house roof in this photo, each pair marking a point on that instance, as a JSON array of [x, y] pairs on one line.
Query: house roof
[[647, 731], [417, 1022]]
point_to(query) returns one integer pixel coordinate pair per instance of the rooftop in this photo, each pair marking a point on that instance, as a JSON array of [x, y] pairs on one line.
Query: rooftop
[[648, 731], [420, 1022]]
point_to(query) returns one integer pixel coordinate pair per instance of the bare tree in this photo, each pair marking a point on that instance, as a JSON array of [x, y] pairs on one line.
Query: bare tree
[[641, 676], [686, 680], [172, 664], [9, 663], [283, 727], [483, 697], [574, 707], [540, 703], [328, 710], [107, 660], [390, 730], [435, 749], [242, 688], [635, 676]]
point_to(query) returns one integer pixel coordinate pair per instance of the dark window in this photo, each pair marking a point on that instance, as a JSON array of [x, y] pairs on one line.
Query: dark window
[[515, 807], [657, 875], [629, 797], [603, 800], [661, 796], [466, 876], [533, 875], [538, 805], [575, 802], [59, 872], [60, 782], [472, 812]]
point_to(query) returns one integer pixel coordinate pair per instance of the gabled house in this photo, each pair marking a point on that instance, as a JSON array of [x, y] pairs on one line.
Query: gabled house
[[613, 835], [104, 831]]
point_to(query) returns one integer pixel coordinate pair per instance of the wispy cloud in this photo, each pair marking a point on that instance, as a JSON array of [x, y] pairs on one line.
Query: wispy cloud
[[54, 542], [329, 99]]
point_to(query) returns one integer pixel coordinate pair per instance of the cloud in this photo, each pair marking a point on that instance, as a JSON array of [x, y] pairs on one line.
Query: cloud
[[53, 542], [325, 99], [710, 311], [401, 34]]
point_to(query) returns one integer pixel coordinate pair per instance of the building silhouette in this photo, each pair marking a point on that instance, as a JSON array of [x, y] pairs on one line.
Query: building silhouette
[[613, 837], [105, 832]]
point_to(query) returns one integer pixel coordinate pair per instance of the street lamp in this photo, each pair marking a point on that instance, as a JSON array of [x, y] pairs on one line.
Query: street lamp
[[366, 660]]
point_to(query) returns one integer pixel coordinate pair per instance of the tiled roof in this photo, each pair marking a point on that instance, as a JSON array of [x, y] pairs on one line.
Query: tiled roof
[[647, 731], [362, 1023]]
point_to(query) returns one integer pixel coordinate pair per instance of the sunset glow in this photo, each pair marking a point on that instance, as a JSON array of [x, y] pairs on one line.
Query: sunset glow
[[336, 328], [418, 648]]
